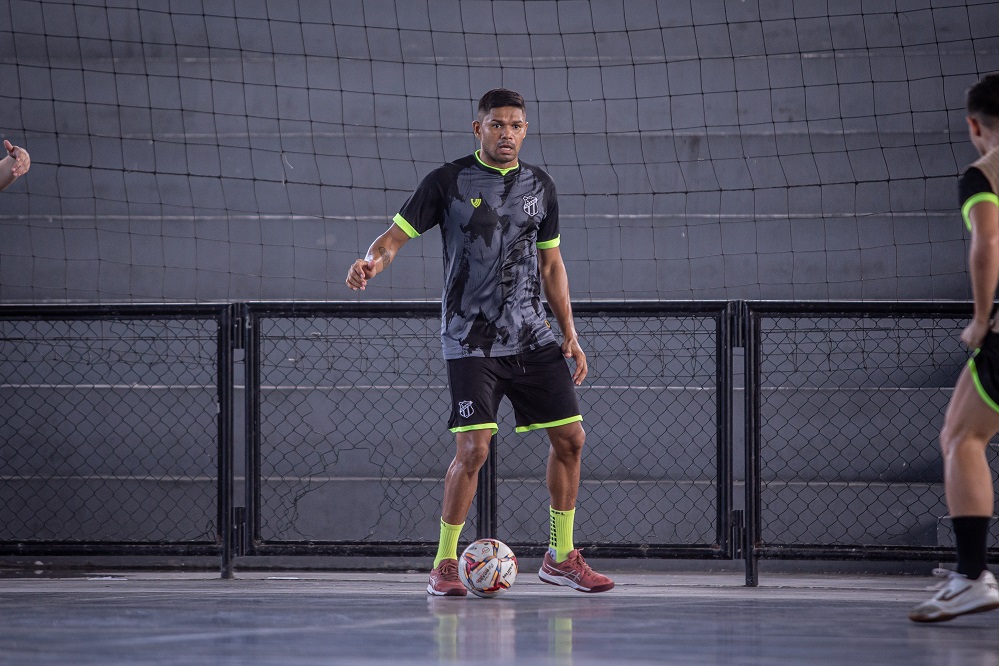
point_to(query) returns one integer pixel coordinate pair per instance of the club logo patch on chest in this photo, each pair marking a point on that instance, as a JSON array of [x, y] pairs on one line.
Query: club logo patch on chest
[[531, 204], [476, 202]]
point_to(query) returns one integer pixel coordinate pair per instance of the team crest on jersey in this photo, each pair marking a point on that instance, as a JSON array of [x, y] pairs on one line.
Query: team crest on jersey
[[465, 408], [530, 204], [476, 202]]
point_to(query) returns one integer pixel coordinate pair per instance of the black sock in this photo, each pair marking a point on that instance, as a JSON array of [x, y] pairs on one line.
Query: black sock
[[972, 535]]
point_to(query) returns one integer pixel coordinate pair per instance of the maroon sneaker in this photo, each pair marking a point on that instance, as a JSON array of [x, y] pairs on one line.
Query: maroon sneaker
[[574, 573], [444, 580]]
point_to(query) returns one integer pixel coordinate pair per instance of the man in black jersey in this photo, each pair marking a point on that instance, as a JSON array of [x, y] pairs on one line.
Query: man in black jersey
[[498, 219], [973, 413]]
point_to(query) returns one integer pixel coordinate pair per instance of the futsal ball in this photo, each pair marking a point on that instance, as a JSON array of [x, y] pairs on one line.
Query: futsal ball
[[487, 567]]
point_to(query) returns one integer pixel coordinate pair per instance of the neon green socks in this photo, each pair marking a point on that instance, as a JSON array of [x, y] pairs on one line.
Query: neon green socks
[[560, 542], [448, 547]]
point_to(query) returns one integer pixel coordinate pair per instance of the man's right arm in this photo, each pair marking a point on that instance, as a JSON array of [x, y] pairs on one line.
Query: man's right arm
[[379, 256], [425, 204]]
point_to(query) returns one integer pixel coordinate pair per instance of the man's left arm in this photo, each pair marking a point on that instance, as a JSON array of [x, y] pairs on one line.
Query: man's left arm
[[983, 265], [555, 282]]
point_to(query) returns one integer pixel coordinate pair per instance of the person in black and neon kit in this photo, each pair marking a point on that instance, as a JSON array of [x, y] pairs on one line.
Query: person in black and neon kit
[[973, 413], [498, 219]]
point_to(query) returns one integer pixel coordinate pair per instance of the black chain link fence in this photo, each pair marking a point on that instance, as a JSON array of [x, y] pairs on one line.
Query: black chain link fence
[[352, 446], [353, 440], [108, 428], [851, 401], [114, 424], [650, 410]]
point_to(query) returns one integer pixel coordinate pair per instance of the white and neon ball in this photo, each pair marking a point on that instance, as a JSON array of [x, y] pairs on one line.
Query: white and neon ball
[[487, 567]]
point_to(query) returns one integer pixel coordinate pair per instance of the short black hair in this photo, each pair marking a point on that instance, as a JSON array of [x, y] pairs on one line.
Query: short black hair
[[983, 100], [498, 97]]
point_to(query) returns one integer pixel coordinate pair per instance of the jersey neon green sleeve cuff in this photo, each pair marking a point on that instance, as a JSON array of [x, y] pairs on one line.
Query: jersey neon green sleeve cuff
[[405, 226], [545, 245], [972, 201]]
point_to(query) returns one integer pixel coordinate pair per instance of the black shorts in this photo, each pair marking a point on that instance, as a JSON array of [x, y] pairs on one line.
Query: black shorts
[[537, 382], [984, 367]]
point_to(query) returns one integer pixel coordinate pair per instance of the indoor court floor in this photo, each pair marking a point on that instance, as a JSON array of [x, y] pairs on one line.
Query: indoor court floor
[[386, 618]]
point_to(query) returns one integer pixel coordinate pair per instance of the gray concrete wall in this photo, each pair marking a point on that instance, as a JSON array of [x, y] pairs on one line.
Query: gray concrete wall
[[200, 152]]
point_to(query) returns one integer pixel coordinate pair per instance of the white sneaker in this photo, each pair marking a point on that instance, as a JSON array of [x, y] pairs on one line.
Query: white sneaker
[[958, 596]]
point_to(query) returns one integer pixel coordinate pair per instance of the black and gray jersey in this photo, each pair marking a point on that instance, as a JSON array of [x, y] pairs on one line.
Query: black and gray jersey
[[493, 222]]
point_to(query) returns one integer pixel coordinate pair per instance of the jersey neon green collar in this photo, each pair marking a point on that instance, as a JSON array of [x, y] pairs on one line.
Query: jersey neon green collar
[[502, 172]]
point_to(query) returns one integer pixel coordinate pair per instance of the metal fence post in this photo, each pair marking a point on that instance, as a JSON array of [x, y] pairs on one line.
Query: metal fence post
[[751, 324], [723, 425], [252, 361], [486, 500], [226, 473]]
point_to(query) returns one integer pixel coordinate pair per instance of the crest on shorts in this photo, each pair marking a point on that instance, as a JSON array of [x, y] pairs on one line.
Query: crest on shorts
[[465, 408], [476, 202], [530, 204]]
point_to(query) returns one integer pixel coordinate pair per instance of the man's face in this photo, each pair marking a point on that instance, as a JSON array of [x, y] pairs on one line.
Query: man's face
[[500, 133]]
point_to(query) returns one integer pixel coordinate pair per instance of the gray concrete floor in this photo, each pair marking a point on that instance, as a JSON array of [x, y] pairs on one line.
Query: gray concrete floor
[[310, 617]]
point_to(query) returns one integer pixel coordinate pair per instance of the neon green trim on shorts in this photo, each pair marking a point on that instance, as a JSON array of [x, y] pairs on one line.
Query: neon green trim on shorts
[[405, 226], [978, 386], [548, 244], [974, 200], [550, 424], [477, 426]]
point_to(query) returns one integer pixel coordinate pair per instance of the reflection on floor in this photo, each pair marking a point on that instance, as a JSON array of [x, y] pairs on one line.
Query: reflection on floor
[[371, 618]]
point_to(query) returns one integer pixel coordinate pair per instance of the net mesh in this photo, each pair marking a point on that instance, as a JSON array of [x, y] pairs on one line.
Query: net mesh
[[236, 151]]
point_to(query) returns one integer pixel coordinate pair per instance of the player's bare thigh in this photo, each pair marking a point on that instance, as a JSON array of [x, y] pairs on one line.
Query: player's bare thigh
[[968, 416], [567, 439]]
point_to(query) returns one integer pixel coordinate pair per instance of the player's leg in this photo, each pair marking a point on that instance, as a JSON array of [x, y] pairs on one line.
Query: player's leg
[[564, 459], [969, 425], [475, 394], [971, 421], [460, 484], [462, 478], [562, 476], [563, 564], [544, 397]]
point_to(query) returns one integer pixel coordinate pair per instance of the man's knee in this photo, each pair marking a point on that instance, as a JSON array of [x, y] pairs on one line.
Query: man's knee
[[948, 441], [473, 449], [956, 440], [568, 441]]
